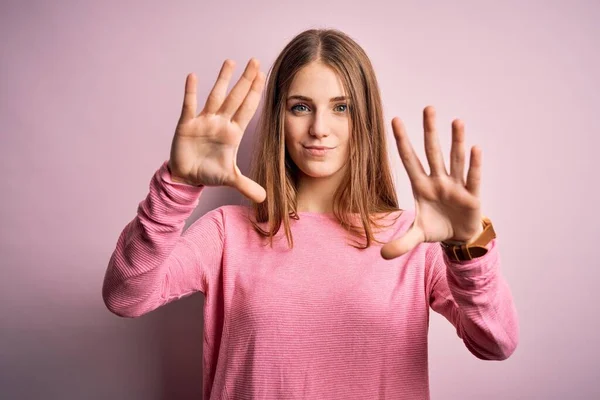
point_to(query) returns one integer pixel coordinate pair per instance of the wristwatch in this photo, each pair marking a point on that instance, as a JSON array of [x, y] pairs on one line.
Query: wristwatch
[[463, 251]]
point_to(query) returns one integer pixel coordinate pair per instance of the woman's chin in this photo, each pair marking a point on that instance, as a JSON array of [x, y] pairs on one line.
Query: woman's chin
[[319, 173]]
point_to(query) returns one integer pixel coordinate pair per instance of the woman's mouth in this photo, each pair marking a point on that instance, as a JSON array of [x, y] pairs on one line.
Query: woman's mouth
[[317, 150]]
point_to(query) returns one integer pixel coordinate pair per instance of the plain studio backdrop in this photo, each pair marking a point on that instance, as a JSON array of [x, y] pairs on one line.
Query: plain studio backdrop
[[90, 93]]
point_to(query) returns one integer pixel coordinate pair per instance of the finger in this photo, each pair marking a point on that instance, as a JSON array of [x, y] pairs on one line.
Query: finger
[[219, 91], [474, 174], [409, 158], [245, 112], [188, 110], [250, 189], [457, 151], [403, 245], [240, 90], [432, 144]]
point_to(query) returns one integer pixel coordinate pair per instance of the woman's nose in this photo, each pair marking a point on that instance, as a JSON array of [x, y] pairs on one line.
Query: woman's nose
[[318, 127]]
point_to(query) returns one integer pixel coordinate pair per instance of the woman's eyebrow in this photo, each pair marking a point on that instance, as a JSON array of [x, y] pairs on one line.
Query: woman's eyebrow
[[299, 97]]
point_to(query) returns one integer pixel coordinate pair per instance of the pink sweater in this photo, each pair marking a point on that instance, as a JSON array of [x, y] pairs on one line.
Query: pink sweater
[[320, 321]]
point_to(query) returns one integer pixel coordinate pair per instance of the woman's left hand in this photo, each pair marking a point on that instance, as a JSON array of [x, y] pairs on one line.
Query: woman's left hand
[[446, 207]]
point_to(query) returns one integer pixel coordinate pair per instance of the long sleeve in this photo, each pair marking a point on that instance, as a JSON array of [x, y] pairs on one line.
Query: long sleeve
[[153, 262], [476, 299]]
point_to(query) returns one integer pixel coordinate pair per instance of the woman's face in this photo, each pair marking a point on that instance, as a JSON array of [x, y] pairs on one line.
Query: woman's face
[[317, 122]]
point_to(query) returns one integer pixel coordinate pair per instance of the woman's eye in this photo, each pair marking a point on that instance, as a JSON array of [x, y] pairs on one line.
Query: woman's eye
[[295, 108], [303, 108]]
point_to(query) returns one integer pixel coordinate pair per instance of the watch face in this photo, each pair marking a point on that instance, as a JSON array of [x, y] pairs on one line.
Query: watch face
[[475, 249], [489, 228]]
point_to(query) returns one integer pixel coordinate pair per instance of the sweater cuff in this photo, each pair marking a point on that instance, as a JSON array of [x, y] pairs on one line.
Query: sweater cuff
[[168, 199], [181, 192], [476, 267]]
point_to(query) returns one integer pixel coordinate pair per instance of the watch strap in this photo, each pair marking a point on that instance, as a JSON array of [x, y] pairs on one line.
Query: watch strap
[[477, 248]]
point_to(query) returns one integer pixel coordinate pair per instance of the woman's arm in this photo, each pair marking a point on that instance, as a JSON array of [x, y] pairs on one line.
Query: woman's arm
[[476, 299], [153, 263]]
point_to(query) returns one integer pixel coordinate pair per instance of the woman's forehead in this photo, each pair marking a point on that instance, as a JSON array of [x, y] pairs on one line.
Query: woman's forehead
[[317, 82]]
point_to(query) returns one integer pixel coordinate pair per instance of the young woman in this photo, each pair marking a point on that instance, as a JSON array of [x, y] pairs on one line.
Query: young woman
[[322, 289]]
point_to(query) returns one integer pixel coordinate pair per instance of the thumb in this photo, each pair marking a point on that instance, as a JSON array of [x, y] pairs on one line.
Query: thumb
[[249, 188], [403, 245]]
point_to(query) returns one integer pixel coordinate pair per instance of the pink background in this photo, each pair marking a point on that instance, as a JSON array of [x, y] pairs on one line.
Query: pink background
[[90, 95]]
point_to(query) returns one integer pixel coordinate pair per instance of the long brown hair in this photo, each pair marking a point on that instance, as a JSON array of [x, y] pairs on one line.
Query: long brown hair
[[367, 188]]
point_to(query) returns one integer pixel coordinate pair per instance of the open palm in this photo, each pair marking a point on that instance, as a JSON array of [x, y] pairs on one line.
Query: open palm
[[446, 206], [205, 146]]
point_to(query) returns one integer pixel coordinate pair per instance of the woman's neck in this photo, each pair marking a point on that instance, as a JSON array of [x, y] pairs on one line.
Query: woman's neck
[[316, 194]]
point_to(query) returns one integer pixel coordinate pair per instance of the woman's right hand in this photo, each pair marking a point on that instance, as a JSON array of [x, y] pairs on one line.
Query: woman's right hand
[[205, 146]]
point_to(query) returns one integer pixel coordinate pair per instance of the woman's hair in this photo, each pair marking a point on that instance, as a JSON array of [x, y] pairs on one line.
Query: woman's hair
[[367, 188]]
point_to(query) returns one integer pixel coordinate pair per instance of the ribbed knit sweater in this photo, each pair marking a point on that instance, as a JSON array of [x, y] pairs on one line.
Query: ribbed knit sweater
[[322, 320]]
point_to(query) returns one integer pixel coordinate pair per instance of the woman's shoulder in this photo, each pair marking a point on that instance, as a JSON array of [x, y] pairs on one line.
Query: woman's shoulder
[[393, 224], [396, 218], [399, 215], [233, 213]]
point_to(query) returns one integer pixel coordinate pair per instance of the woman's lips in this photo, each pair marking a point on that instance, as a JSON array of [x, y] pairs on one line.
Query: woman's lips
[[317, 150]]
